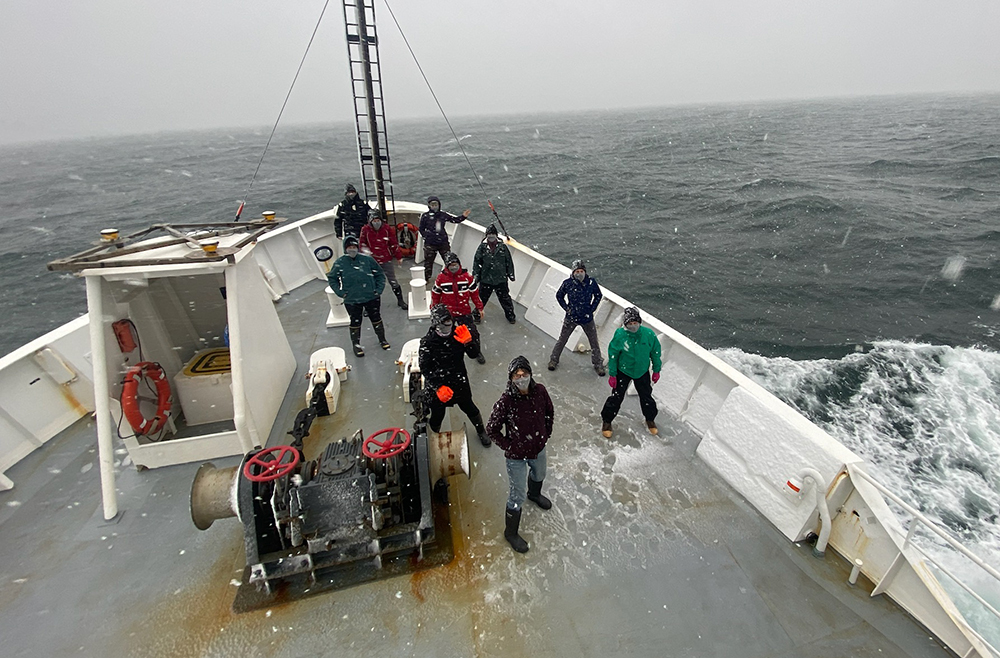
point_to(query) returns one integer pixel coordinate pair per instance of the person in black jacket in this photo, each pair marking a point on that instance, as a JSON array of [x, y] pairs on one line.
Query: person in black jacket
[[579, 296], [442, 366], [352, 214], [521, 424]]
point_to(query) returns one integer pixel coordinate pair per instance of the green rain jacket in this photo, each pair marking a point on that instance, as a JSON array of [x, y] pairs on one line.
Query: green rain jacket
[[356, 280], [631, 353]]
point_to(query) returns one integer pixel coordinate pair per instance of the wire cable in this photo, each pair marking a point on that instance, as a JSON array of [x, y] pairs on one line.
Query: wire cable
[[239, 211], [443, 114]]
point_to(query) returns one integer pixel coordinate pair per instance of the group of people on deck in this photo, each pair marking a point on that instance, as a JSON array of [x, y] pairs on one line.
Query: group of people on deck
[[522, 419]]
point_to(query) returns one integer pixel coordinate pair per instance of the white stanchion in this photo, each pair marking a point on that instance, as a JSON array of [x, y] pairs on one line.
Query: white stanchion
[[419, 296], [338, 314]]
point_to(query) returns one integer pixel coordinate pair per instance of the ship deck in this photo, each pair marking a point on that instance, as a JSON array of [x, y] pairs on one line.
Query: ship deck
[[645, 551]]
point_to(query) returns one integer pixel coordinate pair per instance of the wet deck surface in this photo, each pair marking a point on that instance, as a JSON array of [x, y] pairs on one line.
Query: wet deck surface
[[645, 552]]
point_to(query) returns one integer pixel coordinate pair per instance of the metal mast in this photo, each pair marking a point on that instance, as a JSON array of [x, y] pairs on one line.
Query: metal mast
[[369, 113]]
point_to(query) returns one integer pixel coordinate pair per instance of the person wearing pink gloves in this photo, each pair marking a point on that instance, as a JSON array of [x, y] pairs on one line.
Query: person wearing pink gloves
[[632, 350]]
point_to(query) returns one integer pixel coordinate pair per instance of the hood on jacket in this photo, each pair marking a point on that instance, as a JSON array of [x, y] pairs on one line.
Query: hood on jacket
[[518, 363], [433, 198], [350, 188], [440, 314]]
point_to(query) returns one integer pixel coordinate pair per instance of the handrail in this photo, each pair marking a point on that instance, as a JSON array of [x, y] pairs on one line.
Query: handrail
[[930, 524], [918, 517]]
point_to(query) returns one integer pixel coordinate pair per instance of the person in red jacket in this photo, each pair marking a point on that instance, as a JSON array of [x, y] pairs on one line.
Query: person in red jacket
[[457, 290], [379, 240]]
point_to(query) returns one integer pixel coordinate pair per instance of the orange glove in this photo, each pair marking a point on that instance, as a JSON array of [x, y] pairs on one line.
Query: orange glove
[[444, 393], [463, 335]]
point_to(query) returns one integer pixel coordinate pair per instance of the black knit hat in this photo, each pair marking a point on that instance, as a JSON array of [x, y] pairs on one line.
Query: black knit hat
[[440, 314], [578, 265], [451, 257], [518, 363], [631, 315], [491, 229], [350, 240]]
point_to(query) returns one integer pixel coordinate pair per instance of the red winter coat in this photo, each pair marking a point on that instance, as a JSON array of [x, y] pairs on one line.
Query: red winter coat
[[456, 291], [382, 244]]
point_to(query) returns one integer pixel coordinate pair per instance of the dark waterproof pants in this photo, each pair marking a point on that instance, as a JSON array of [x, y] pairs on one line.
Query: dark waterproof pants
[[430, 251], [503, 296], [462, 397], [643, 386], [356, 312]]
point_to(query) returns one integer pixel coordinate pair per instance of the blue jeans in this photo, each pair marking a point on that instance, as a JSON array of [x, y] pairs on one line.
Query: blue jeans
[[517, 469]]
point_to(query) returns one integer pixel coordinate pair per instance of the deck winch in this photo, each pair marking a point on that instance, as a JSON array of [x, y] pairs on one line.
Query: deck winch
[[367, 508]]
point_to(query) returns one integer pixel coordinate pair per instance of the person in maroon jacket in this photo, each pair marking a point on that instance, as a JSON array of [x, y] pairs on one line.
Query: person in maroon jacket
[[456, 289], [379, 240], [520, 425]]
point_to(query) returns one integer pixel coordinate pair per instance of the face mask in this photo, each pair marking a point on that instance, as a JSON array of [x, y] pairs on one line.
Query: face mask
[[522, 382], [492, 239], [632, 328], [443, 330], [453, 269], [580, 276], [377, 224], [352, 251]]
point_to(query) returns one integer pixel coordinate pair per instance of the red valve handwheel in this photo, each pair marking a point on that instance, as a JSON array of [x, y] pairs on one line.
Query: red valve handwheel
[[388, 448], [271, 469]]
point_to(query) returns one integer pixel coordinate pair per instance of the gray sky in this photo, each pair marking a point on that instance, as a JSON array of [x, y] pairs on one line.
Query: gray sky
[[96, 67]]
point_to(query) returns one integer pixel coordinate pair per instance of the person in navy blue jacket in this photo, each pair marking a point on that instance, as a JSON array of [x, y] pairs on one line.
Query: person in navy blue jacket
[[432, 230], [579, 296]]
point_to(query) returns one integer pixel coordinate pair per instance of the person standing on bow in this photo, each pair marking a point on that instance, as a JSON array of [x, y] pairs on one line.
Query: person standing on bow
[[493, 267], [579, 296], [442, 365], [359, 281], [379, 239], [459, 292], [434, 234], [520, 425], [632, 350], [352, 213]]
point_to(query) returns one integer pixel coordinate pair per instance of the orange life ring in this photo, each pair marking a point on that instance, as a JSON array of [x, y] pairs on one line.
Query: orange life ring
[[406, 236], [130, 397]]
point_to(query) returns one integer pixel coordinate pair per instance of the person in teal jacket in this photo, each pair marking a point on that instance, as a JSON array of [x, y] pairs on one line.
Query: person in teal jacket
[[632, 350], [359, 280]]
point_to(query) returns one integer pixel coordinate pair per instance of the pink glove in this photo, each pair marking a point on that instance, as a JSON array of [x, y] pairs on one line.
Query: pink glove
[[656, 377], [612, 381]]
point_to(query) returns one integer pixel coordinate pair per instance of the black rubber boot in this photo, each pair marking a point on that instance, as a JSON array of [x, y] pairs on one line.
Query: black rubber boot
[[535, 494], [477, 422], [513, 522], [398, 291], [356, 341], [380, 332]]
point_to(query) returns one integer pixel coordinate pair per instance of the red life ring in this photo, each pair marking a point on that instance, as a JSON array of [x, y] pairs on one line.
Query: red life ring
[[130, 397], [406, 236]]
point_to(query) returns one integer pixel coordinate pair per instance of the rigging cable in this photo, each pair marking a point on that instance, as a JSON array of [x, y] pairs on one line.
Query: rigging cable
[[239, 210], [454, 134]]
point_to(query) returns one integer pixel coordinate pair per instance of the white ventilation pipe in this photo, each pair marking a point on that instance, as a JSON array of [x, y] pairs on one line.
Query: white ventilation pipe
[[819, 550]]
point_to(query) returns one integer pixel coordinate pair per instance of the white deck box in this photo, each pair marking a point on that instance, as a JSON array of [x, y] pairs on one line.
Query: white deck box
[[205, 387]]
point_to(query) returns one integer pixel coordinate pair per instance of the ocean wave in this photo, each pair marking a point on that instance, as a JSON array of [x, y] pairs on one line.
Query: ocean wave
[[774, 183], [926, 416]]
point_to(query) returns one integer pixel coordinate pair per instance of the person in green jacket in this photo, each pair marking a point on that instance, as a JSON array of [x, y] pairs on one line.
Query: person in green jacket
[[633, 348], [492, 267], [359, 280]]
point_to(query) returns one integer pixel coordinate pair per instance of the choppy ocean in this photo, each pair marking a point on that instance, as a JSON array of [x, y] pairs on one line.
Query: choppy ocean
[[841, 252]]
